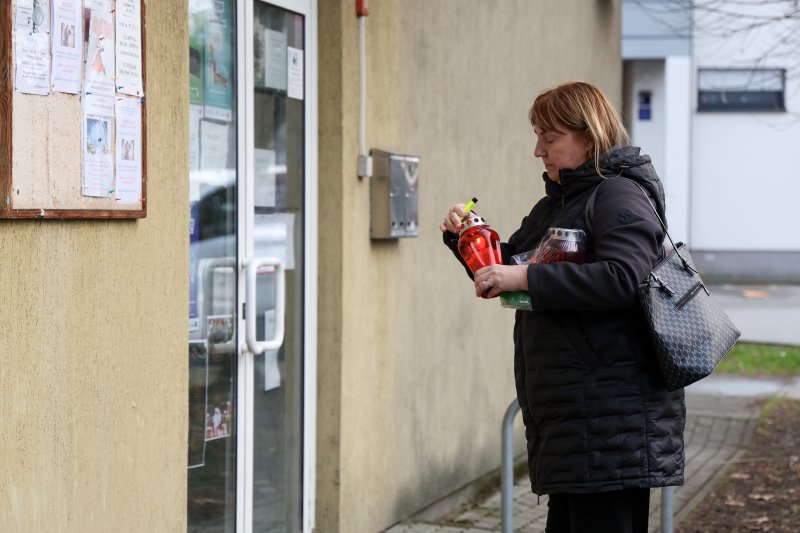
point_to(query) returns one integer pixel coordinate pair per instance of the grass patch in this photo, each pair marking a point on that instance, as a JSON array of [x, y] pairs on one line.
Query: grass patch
[[761, 360], [771, 405], [768, 407]]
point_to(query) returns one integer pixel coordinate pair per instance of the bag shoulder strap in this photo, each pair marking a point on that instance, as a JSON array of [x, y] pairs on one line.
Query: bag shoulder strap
[[589, 213]]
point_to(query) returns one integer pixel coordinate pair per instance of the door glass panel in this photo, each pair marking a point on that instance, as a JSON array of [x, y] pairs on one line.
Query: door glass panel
[[278, 231], [212, 266]]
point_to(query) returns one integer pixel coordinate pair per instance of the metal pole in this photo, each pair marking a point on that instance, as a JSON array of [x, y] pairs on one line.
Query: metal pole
[[507, 469], [666, 509]]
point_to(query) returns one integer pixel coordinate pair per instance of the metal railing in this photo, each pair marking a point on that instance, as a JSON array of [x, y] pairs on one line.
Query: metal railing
[[507, 473], [507, 479]]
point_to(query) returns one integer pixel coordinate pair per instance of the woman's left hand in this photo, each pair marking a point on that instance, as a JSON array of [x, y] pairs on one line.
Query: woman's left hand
[[491, 280]]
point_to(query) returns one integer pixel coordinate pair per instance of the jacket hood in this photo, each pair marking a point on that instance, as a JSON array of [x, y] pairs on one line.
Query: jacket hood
[[627, 161], [624, 161]]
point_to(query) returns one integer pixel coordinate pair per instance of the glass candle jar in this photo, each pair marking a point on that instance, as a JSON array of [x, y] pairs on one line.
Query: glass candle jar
[[479, 244]]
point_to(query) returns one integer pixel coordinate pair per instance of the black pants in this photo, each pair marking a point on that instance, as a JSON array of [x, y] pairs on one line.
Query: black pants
[[621, 511]]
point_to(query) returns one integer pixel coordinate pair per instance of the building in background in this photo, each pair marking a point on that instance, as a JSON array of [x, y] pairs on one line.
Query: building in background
[[712, 94]]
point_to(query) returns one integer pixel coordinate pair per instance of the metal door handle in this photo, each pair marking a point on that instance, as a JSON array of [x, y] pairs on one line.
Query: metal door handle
[[252, 265]]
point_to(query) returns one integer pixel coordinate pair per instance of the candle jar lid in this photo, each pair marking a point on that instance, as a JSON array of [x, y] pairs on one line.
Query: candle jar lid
[[567, 234], [472, 221]]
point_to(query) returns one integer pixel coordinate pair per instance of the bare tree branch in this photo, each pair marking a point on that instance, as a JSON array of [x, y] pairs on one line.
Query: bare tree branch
[[750, 20]]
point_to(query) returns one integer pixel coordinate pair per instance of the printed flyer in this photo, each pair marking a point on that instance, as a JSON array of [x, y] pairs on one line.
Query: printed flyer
[[218, 60], [99, 93], [32, 63], [98, 160], [128, 151], [129, 47], [67, 49], [197, 30], [32, 50]]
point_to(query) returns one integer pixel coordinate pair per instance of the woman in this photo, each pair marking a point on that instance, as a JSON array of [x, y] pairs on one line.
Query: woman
[[601, 428]]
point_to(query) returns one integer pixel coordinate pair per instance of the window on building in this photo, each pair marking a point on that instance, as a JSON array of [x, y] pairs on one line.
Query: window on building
[[741, 89]]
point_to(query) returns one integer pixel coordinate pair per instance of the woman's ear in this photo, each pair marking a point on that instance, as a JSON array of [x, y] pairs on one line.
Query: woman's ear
[[587, 138]]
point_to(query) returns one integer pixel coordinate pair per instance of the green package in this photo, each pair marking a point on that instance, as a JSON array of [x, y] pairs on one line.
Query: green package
[[516, 300]]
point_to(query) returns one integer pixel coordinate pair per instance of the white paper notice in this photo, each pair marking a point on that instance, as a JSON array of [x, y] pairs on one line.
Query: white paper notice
[[272, 374], [195, 116], [32, 50], [67, 44], [295, 66], [275, 59], [98, 160], [33, 15], [128, 188], [274, 237], [23, 18], [129, 47], [32, 57], [99, 83], [213, 145], [264, 178]]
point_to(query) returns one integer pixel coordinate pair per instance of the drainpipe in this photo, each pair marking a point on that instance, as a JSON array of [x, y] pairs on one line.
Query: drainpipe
[[364, 159]]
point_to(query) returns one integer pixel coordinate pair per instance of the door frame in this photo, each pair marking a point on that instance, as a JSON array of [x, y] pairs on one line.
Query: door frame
[[245, 162]]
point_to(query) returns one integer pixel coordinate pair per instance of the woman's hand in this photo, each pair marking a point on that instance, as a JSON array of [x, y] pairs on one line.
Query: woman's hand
[[491, 280], [452, 222]]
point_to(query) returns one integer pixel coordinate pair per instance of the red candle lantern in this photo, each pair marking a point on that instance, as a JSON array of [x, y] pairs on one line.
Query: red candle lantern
[[561, 244], [478, 243]]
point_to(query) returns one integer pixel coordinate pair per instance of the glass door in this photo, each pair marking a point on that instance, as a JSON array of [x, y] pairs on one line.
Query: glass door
[[253, 266], [275, 229]]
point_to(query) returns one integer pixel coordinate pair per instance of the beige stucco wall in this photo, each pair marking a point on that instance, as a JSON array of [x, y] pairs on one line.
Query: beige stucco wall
[[415, 373], [93, 341]]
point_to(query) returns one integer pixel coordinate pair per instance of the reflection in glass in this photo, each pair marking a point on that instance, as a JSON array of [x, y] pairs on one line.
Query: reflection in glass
[[212, 267]]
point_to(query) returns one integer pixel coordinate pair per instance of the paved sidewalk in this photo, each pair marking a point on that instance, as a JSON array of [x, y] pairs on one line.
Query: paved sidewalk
[[720, 420]]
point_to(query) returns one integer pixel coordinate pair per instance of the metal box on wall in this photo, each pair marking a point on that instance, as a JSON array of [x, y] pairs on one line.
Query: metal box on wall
[[394, 195]]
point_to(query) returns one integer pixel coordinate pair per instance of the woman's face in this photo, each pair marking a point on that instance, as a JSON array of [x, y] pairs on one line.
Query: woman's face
[[559, 150]]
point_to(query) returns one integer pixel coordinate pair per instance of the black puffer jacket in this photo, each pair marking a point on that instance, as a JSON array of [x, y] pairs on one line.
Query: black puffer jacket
[[597, 416]]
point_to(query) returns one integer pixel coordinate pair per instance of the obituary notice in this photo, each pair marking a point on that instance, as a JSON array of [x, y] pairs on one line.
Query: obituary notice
[[32, 50], [98, 160], [67, 46], [33, 63], [128, 151], [129, 47], [99, 77]]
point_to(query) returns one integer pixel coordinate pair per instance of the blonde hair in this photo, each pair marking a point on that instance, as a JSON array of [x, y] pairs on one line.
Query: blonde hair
[[580, 107]]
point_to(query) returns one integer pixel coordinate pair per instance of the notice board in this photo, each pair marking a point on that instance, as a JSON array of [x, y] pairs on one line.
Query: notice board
[[73, 109]]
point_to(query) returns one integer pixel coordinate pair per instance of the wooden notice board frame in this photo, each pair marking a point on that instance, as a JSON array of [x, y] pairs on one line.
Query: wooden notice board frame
[[41, 147]]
